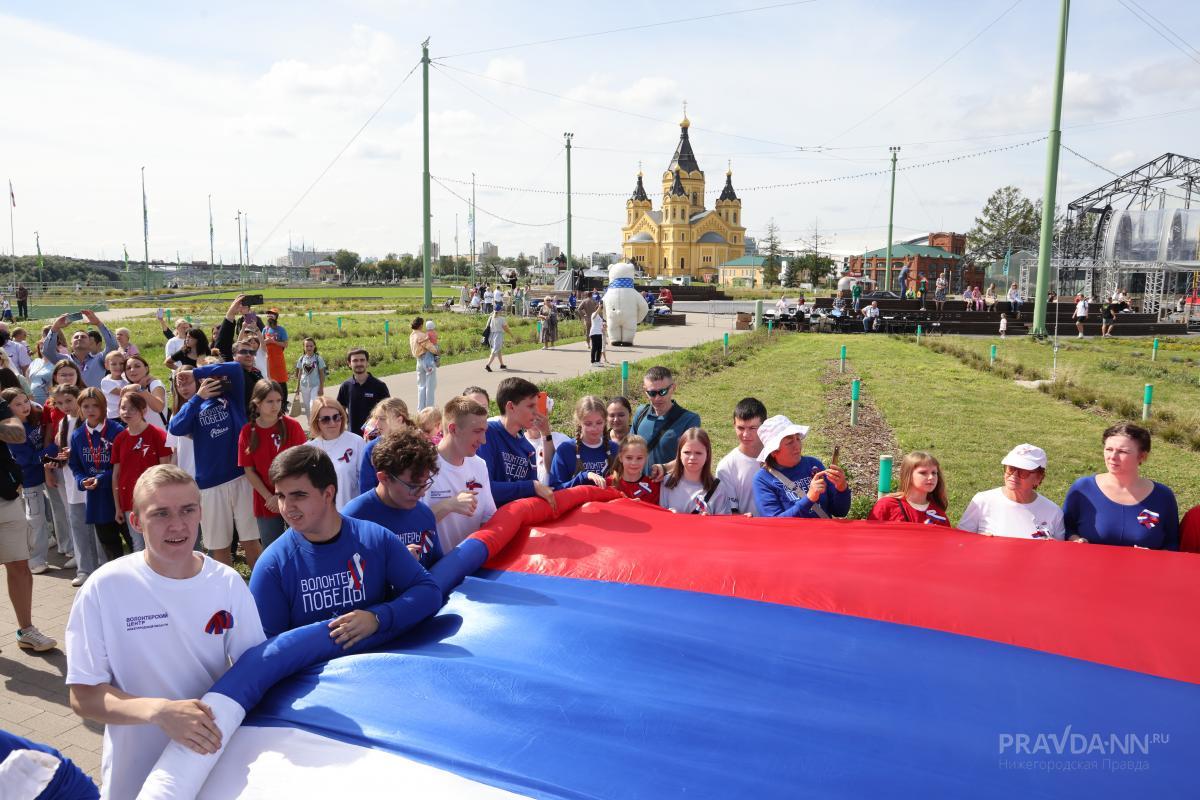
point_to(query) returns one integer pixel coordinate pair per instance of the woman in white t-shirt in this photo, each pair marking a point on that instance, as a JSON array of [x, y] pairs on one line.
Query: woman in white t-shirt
[[1016, 509], [327, 424], [691, 487], [137, 373]]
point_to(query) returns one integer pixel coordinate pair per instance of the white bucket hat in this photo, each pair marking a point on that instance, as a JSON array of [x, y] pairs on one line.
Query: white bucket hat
[[774, 430], [1025, 456]]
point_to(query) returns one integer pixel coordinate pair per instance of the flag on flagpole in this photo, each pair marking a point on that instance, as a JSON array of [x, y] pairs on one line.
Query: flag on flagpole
[[12, 198]]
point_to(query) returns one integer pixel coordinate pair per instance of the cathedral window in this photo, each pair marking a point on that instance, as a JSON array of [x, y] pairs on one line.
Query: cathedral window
[[735, 218]]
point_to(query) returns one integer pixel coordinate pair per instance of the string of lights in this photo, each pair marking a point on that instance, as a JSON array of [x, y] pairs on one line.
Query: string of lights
[[766, 186], [497, 216]]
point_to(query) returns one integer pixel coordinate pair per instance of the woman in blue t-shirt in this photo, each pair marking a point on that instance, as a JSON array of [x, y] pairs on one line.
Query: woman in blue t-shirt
[[1120, 506]]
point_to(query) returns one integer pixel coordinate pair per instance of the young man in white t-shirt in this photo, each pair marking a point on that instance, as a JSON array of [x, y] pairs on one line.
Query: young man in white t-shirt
[[461, 494], [1016, 509], [152, 631], [739, 466]]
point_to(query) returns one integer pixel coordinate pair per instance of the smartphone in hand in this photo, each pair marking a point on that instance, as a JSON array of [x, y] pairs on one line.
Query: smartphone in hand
[[74, 316], [833, 461]]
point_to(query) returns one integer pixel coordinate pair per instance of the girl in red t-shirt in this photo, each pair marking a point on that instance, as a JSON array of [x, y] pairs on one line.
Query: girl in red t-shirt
[[268, 433], [922, 495], [627, 477], [136, 449]]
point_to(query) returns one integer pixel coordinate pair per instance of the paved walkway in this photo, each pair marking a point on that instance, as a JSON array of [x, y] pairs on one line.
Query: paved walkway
[[564, 361], [33, 697]]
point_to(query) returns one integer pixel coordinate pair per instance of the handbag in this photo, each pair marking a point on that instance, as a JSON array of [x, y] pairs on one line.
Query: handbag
[[294, 411], [486, 338]]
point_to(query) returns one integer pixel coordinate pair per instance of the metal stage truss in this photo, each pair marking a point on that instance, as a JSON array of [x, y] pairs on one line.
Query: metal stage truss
[[1072, 276]]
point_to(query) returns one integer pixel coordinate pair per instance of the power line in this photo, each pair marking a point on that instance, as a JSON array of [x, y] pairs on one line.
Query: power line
[[1168, 35], [927, 75], [627, 29], [336, 158], [497, 216], [492, 103], [764, 187], [634, 114]]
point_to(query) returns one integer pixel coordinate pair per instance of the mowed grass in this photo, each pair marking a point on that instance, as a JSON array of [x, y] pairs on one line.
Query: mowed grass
[[1113, 366], [459, 338], [966, 418]]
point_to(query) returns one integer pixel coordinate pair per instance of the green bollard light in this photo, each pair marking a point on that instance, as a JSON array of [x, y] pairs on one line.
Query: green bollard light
[[918, 334], [624, 377], [885, 476], [843, 360], [1154, 353], [1147, 399], [855, 390], [386, 330], [310, 315], [727, 345], [992, 357], [339, 324]]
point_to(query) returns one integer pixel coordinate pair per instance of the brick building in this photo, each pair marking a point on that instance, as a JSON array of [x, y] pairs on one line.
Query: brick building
[[942, 252]]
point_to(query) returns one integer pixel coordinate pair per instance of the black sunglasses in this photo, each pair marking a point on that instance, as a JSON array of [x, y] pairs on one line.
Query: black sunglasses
[[330, 418], [245, 352], [659, 392]]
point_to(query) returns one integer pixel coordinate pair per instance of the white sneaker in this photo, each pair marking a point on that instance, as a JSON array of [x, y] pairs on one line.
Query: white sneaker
[[32, 639], [79, 579], [70, 562], [38, 570]]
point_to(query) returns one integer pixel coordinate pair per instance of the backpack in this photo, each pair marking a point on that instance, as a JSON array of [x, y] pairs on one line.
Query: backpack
[[486, 339], [672, 416]]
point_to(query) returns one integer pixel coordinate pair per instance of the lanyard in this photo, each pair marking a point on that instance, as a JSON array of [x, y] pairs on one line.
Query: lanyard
[[97, 455]]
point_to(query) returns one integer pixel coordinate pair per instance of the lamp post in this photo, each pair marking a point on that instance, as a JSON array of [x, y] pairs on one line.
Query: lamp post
[[887, 271], [569, 137]]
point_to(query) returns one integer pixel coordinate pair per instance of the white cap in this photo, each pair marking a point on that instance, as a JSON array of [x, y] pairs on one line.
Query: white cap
[[774, 430], [1025, 456]]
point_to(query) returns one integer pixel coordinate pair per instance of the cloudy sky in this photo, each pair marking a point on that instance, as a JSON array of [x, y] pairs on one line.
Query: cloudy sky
[[252, 102]]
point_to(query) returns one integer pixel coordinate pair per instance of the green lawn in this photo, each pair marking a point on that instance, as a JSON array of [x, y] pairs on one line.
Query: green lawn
[[967, 418], [1115, 366]]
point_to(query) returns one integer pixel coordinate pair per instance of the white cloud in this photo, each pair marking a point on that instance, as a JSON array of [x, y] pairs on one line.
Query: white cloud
[[645, 95], [291, 77]]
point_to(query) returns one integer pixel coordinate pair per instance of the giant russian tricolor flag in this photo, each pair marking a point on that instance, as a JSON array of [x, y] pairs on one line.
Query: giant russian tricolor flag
[[621, 651]]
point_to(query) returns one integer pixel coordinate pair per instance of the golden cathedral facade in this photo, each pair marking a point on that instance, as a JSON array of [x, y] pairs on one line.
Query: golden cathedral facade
[[683, 237]]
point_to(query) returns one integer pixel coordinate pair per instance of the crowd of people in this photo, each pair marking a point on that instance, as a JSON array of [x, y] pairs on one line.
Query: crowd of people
[[342, 522]]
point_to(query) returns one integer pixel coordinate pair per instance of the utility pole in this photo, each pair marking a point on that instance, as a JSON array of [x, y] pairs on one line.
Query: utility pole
[[246, 240], [887, 270], [428, 244], [145, 234], [211, 260], [38, 239], [241, 268], [1046, 244], [472, 220], [568, 137]]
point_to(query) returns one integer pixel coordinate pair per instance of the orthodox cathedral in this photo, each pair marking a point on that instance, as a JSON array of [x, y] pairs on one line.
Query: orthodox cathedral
[[683, 237]]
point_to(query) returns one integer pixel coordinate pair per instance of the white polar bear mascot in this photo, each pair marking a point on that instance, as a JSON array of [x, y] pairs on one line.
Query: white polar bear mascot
[[623, 306]]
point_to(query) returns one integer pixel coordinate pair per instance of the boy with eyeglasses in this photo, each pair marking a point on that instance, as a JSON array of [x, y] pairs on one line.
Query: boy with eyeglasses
[[661, 420], [405, 464]]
